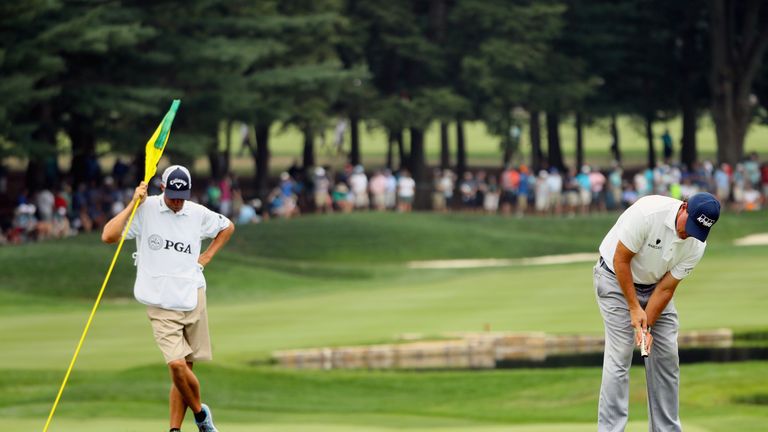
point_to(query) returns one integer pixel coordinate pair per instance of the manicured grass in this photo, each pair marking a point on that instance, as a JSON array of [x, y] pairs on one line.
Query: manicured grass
[[341, 279], [713, 399]]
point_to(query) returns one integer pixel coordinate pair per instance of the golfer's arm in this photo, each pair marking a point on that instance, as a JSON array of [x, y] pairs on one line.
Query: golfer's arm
[[114, 228], [621, 266], [220, 240], [660, 298]]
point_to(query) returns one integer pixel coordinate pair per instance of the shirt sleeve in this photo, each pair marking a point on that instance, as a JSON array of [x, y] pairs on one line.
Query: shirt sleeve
[[633, 229], [212, 224], [138, 218], [685, 266]]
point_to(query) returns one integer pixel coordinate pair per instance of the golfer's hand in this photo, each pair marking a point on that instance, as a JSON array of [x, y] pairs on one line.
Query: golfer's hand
[[140, 193], [639, 322], [203, 259]]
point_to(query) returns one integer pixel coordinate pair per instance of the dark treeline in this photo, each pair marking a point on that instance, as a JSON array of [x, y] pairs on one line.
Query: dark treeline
[[89, 72]]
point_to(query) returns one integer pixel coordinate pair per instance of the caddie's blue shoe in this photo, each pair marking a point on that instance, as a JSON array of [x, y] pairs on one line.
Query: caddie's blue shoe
[[207, 424]]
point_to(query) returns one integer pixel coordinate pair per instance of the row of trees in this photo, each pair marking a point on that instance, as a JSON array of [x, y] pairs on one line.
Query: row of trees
[[102, 71]]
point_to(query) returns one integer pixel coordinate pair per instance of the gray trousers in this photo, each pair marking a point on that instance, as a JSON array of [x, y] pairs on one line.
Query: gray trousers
[[662, 367]]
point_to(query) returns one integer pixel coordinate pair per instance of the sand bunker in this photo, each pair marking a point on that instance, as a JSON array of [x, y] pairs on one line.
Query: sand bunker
[[752, 240], [496, 262]]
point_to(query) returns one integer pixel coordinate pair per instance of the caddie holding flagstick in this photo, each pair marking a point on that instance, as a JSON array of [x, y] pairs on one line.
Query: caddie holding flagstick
[[654, 245], [168, 229]]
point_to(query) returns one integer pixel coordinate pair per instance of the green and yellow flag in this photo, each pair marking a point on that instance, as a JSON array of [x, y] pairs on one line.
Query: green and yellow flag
[[154, 151], [156, 143]]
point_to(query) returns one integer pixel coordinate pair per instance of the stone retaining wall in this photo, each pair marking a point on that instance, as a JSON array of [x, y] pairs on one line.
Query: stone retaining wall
[[468, 351]]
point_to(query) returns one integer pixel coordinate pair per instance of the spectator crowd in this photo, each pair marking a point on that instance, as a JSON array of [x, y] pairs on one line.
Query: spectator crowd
[[515, 190]]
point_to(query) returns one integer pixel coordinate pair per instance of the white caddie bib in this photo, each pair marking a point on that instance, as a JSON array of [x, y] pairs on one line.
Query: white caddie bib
[[168, 244]]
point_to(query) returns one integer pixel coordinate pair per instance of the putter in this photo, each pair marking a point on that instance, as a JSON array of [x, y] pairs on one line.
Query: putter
[[643, 347]]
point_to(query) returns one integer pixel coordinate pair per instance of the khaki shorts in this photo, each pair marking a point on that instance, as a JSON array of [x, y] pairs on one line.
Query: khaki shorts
[[182, 335]]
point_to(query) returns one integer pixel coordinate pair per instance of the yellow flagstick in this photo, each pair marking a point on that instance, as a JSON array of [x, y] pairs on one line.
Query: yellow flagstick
[[154, 151]]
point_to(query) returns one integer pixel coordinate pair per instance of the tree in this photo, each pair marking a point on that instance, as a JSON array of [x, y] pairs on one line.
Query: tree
[[27, 65], [506, 66], [407, 67], [692, 57], [317, 74], [739, 38]]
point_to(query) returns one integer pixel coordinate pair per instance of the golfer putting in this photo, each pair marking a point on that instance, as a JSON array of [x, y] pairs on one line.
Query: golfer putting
[[654, 244], [169, 279]]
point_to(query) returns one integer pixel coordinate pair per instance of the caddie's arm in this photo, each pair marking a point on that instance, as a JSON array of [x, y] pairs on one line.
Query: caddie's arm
[[114, 228], [220, 240], [621, 266]]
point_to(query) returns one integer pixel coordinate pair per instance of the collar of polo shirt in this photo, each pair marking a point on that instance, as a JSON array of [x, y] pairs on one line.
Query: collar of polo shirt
[[671, 219], [165, 208], [671, 222]]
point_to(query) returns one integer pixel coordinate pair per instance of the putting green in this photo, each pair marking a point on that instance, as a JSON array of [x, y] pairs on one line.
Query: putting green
[[130, 425]]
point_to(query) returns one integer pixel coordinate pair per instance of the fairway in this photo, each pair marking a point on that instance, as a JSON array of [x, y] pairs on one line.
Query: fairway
[[343, 279]]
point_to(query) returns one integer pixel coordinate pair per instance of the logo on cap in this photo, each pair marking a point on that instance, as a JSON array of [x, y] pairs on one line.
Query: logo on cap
[[178, 183], [707, 222]]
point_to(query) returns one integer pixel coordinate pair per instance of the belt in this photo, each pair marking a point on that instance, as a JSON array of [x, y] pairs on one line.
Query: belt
[[637, 285]]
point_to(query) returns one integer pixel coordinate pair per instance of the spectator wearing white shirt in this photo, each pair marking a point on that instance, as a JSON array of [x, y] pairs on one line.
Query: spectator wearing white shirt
[[168, 229], [447, 185], [555, 191], [390, 193], [322, 188], [541, 193], [44, 201], [406, 190], [358, 184]]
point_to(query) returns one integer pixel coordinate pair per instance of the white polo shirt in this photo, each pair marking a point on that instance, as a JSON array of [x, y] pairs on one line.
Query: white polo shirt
[[647, 228], [168, 246]]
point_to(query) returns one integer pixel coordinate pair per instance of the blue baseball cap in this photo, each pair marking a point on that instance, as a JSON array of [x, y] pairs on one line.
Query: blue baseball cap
[[703, 212], [177, 182]]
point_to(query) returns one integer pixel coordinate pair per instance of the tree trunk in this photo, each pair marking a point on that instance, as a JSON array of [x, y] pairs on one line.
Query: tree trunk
[[84, 168], [445, 150], [261, 161], [390, 144], [34, 177], [214, 160], [354, 132], [688, 152], [139, 166], [506, 141], [226, 154], [738, 41], [461, 149], [555, 153], [535, 132], [579, 140], [688, 78], [649, 138], [309, 148], [404, 163], [43, 167], [615, 143], [506, 144], [418, 168]]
